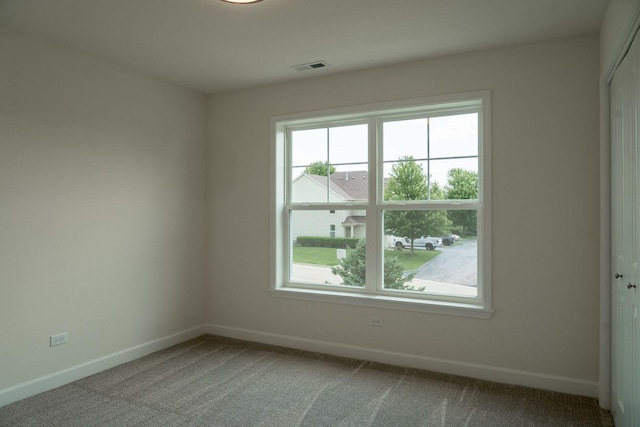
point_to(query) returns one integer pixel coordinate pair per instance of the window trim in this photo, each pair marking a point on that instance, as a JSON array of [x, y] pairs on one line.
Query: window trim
[[442, 105]]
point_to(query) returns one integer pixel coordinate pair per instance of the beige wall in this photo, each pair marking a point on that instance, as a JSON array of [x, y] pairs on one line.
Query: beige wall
[[545, 214], [101, 208]]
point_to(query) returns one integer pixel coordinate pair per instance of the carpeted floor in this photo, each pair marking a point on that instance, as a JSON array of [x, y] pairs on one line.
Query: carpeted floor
[[215, 381]]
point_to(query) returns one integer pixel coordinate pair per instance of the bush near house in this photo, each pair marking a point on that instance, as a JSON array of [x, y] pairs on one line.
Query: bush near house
[[326, 242]]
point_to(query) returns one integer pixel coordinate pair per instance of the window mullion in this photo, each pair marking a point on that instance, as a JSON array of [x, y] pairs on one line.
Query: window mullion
[[428, 158], [328, 166], [435, 205], [374, 239], [287, 169]]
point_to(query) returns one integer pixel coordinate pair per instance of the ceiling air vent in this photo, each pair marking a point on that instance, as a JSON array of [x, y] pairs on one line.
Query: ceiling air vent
[[310, 66]]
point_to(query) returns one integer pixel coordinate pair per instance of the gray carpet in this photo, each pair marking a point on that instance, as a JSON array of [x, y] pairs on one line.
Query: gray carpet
[[215, 381]]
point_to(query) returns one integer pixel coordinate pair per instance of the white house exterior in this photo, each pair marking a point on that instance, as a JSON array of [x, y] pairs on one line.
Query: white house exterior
[[338, 187]]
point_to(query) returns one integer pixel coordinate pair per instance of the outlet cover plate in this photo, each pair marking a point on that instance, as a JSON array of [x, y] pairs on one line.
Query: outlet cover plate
[[375, 321], [58, 339]]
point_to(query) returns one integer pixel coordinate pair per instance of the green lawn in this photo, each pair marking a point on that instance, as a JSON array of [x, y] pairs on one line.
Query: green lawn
[[319, 256], [411, 262], [327, 256]]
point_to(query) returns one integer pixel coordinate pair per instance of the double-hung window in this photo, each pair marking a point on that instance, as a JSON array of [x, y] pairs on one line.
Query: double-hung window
[[404, 189]]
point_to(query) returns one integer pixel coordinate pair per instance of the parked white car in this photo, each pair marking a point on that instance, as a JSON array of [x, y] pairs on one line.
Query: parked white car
[[427, 242]]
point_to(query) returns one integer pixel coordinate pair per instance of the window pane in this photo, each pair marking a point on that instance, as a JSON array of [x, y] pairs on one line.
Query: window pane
[[441, 261], [329, 165], [308, 188], [349, 183], [348, 144], [342, 186], [449, 179], [457, 177], [406, 180], [453, 136], [405, 138], [319, 242], [308, 146]]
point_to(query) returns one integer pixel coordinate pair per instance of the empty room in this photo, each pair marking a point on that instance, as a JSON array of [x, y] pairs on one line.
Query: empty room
[[305, 212]]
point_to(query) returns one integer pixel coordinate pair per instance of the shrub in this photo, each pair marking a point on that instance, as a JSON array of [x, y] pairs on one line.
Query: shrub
[[352, 270]]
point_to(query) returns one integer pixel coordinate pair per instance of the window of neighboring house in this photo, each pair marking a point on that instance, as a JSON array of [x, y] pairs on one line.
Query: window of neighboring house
[[414, 177]]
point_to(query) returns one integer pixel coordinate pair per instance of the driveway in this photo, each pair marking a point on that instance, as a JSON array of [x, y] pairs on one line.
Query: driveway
[[456, 264]]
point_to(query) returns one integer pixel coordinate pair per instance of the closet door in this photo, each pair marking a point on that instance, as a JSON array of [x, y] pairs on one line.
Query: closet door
[[625, 240]]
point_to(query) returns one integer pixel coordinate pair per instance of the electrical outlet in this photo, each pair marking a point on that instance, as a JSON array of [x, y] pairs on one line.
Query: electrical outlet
[[375, 321], [58, 339]]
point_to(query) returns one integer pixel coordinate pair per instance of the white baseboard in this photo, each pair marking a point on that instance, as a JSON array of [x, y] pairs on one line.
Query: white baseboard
[[484, 372], [60, 378]]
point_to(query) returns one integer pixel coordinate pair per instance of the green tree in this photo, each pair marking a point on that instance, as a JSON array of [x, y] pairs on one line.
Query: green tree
[[462, 184], [320, 168], [408, 181], [352, 269]]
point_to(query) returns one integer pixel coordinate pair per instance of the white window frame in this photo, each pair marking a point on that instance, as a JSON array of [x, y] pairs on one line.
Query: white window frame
[[372, 295]]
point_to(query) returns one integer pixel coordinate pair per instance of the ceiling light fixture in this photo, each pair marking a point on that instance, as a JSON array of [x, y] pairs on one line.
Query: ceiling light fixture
[[241, 1]]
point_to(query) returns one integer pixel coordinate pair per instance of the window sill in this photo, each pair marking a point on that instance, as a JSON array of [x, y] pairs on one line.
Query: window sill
[[382, 301]]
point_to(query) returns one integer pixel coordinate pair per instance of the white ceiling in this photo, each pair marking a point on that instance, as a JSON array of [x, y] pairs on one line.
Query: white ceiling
[[210, 46]]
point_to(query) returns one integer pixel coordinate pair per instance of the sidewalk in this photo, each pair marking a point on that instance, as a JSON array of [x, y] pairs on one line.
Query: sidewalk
[[319, 274]]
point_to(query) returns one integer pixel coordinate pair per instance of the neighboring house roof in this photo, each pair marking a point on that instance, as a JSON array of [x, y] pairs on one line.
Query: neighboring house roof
[[350, 185], [355, 220]]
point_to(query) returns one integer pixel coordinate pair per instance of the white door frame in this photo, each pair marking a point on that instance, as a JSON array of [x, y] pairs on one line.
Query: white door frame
[[604, 392]]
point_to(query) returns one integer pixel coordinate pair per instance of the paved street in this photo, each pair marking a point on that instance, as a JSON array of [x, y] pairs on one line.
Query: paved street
[[456, 264]]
